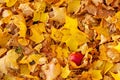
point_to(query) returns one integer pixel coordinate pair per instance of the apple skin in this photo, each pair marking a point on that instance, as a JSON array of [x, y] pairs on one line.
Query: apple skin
[[76, 57]]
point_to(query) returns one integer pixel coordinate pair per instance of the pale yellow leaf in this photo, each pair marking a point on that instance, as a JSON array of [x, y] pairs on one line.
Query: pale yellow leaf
[[96, 74], [59, 14], [53, 71], [23, 41], [107, 67], [98, 64], [3, 68], [11, 59]]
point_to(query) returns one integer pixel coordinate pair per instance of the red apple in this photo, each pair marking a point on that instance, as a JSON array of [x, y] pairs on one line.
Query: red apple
[[76, 57]]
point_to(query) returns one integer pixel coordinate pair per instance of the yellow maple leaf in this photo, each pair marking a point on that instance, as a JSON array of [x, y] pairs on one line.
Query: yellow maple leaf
[[9, 77], [23, 41], [56, 34], [65, 71], [38, 47], [72, 43], [117, 15], [39, 14], [44, 17], [103, 53], [71, 23], [36, 31], [4, 38], [19, 21], [59, 52], [40, 5], [118, 25], [73, 6], [107, 67], [34, 57], [96, 74], [117, 47], [29, 59], [10, 3], [115, 76], [62, 52], [102, 65], [102, 30], [72, 36], [24, 70]]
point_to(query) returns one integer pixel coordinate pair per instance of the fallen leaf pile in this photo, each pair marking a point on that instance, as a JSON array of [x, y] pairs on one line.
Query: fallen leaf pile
[[38, 36]]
